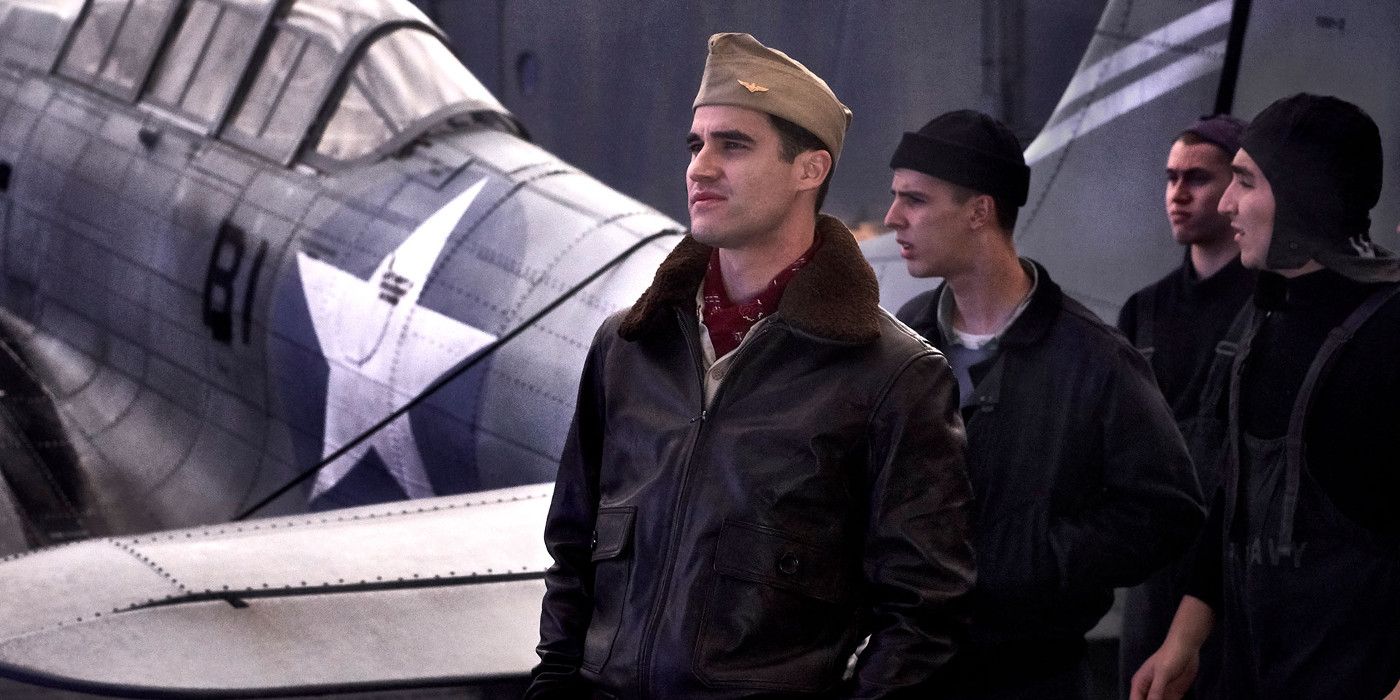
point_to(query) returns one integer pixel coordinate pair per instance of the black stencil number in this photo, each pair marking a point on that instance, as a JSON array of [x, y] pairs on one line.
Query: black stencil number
[[221, 283]]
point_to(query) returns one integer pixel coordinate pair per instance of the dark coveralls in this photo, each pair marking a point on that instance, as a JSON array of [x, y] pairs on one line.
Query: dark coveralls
[[1189, 330], [1311, 601]]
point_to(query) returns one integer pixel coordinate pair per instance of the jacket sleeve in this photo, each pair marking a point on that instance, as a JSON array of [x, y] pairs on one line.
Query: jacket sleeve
[[918, 560], [1149, 509], [568, 603], [1127, 318], [1206, 580]]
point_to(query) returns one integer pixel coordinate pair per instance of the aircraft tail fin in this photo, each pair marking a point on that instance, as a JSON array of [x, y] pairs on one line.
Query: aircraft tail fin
[[1150, 70]]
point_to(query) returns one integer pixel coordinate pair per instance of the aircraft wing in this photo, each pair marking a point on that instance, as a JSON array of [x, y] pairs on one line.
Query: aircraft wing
[[316, 603]]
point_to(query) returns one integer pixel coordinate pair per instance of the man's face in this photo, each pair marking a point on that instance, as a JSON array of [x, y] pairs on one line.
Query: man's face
[[740, 188], [930, 224], [1197, 174], [1249, 203]]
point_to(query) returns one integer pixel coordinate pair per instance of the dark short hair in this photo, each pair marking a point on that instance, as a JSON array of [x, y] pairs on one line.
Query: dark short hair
[[1006, 211], [793, 141], [1191, 138]]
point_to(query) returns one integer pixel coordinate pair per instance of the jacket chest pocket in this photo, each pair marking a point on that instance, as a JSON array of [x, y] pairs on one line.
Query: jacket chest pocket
[[612, 573], [777, 617]]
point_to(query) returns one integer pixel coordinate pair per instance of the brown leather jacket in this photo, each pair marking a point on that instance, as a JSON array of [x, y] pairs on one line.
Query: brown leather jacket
[[747, 548]]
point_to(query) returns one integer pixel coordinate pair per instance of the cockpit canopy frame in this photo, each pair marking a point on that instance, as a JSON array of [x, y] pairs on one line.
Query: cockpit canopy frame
[[327, 83]]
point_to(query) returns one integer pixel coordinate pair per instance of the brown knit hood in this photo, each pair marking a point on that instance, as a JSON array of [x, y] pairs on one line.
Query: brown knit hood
[[834, 297]]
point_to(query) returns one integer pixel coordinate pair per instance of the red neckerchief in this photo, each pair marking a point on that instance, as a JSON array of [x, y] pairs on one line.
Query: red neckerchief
[[728, 322]]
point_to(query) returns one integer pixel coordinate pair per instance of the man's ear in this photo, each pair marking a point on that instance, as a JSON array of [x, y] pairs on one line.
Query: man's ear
[[983, 211], [812, 168]]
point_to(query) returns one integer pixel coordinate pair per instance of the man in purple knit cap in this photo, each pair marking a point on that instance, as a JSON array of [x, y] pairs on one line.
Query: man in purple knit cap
[[1188, 324]]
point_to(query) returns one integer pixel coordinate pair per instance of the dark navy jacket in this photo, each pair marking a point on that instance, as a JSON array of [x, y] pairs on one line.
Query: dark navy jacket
[[1081, 478]]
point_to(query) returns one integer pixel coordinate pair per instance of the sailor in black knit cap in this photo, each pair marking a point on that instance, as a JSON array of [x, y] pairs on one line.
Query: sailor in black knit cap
[[1299, 568], [1081, 479]]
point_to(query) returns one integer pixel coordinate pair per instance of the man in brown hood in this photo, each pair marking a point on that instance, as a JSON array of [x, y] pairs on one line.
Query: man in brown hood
[[1300, 561], [764, 467]]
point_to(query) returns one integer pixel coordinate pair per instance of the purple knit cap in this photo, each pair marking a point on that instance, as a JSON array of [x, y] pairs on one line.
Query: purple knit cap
[[1222, 130]]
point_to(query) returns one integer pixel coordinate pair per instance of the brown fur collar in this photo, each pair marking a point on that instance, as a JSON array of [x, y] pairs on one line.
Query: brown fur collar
[[834, 297]]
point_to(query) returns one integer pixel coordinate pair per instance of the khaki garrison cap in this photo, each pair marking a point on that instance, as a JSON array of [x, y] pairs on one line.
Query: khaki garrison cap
[[744, 73]]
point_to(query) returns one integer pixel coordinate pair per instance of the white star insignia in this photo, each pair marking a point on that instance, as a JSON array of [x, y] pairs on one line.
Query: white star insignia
[[383, 348]]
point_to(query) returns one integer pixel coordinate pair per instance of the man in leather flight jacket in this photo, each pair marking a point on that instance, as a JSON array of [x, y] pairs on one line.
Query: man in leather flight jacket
[[751, 487]]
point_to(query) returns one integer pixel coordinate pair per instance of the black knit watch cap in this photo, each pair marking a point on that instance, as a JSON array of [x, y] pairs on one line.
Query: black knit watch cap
[[1322, 158], [971, 149]]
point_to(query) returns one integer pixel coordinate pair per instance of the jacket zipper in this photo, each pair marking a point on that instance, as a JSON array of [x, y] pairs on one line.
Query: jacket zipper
[[648, 640]]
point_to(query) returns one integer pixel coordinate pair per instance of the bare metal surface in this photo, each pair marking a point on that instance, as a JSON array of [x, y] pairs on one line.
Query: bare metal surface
[[443, 588], [499, 690], [11, 527], [211, 323]]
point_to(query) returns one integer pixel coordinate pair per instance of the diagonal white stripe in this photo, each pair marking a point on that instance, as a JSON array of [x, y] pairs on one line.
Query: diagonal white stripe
[[1125, 100], [1143, 50]]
